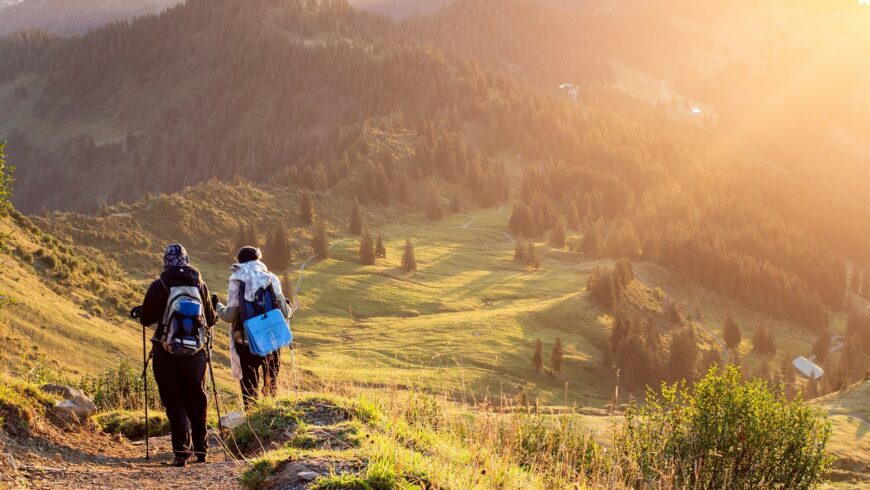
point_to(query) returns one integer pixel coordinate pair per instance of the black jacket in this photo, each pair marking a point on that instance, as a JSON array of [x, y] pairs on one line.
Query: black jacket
[[157, 295]]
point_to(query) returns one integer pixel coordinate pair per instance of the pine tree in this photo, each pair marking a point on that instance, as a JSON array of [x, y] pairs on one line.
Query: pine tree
[[822, 345], [409, 263], [731, 332], [402, 189], [433, 204], [252, 235], [520, 251], [380, 250], [856, 280], [557, 236], [306, 209], [532, 259], [455, 206], [591, 242], [812, 389], [6, 182], [278, 251], [356, 221], [556, 356], [287, 285], [538, 356], [320, 243], [241, 237], [366, 249], [684, 354], [759, 340], [382, 185]]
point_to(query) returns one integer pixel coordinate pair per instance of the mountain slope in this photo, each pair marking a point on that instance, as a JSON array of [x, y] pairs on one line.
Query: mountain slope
[[68, 17], [64, 310]]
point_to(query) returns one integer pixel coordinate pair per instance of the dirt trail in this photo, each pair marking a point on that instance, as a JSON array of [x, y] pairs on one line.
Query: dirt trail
[[79, 460]]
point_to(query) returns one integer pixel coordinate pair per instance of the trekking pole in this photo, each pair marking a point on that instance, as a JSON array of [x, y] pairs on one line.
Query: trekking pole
[[145, 382], [217, 402], [134, 314], [293, 366]]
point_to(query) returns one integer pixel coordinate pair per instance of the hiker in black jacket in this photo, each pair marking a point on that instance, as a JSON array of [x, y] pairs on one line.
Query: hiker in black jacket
[[180, 380]]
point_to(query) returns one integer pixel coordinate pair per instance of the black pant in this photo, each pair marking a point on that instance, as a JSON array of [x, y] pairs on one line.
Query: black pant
[[181, 383], [252, 364]]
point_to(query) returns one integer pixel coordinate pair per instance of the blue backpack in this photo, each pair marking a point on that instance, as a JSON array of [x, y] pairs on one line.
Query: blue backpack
[[265, 326], [183, 330]]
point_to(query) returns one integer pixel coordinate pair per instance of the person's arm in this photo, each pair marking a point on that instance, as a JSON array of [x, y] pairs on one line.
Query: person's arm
[[228, 314], [154, 304], [284, 306], [207, 306]]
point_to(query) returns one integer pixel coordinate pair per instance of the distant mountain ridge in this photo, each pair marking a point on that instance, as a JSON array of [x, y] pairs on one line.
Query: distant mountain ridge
[[70, 17]]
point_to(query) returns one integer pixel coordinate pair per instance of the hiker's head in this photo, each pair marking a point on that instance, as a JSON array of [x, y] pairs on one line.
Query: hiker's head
[[249, 254], [175, 256]]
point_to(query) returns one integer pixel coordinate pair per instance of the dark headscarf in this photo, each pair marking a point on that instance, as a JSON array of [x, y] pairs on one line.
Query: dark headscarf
[[175, 256], [248, 254]]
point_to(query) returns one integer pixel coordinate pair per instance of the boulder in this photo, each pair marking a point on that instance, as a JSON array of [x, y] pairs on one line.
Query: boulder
[[307, 475], [64, 392], [80, 405]]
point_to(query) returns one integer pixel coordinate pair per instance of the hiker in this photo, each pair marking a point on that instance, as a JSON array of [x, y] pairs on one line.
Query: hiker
[[249, 276], [179, 350]]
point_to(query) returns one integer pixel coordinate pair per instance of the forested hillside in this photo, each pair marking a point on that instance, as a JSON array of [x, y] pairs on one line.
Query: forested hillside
[[70, 17], [281, 91]]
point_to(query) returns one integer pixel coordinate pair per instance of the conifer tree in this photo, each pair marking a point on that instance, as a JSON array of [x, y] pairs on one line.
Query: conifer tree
[[241, 237], [278, 251], [455, 206], [382, 185], [822, 345], [6, 182], [287, 285], [306, 209], [557, 236], [356, 221], [556, 356], [731, 332], [856, 280], [380, 250], [433, 204], [591, 241], [320, 243], [684, 354], [538, 356], [532, 259], [812, 389], [520, 251], [252, 235], [402, 189], [366, 249], [409, 262]]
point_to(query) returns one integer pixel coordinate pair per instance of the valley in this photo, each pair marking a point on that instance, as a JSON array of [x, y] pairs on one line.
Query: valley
[[576, 205]]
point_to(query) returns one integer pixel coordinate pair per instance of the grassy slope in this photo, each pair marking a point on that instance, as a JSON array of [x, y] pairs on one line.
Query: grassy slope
[[49, 323], [849, 413]]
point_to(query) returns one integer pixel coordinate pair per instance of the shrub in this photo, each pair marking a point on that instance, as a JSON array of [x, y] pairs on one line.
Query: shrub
[[723, 433], [121, 388], [132, 424]]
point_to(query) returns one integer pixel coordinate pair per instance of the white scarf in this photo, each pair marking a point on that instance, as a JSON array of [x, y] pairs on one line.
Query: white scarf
[[255, 275]]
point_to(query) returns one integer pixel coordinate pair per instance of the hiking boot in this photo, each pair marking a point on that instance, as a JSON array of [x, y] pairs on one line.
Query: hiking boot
[[179, 462], [201, 458]]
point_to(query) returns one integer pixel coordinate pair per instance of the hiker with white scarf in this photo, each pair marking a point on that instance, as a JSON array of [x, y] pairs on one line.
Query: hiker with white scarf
[[247, 366]]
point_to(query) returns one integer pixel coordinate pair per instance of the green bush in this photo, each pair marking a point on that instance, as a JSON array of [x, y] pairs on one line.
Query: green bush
[[121, 388], [132, 424], [723, 433]]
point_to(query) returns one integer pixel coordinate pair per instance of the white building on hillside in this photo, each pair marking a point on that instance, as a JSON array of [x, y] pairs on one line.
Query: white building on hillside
[[807, 367]]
